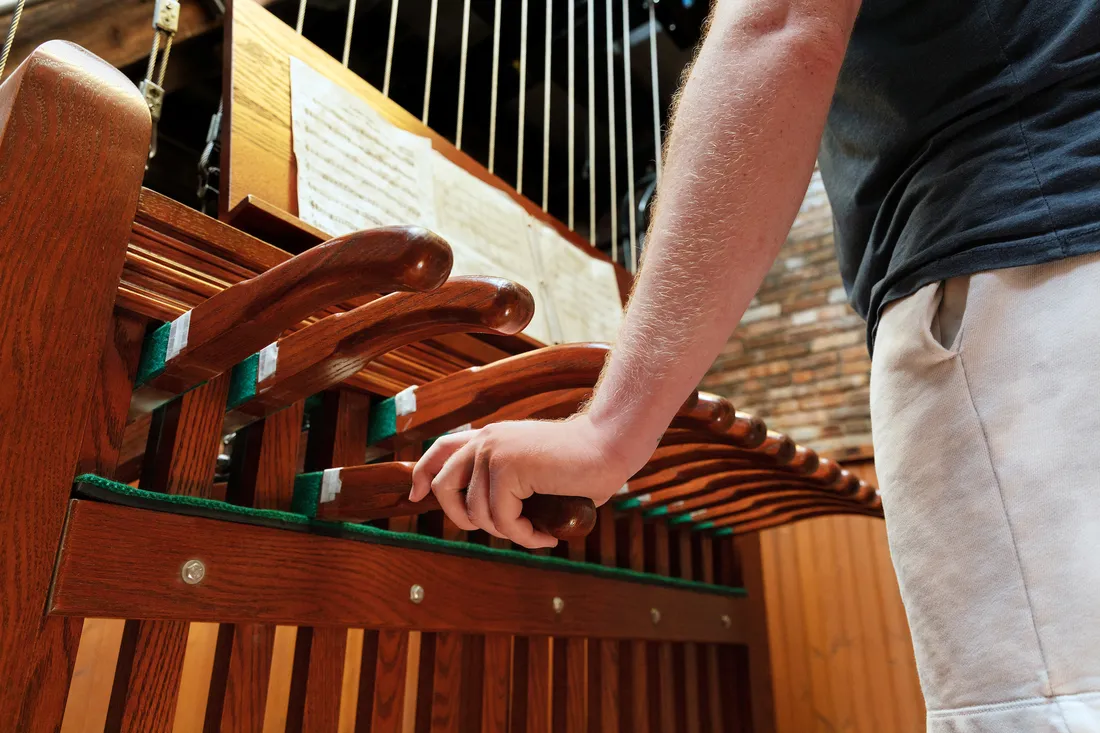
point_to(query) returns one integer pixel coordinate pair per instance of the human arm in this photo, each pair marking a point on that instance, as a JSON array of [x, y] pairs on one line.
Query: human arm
[[739, 157]]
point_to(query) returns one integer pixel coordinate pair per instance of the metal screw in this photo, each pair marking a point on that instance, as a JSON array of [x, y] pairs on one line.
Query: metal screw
[[655, 614], [192, 572], [558, 604], [726, 621], [416, 593], [672, 26]]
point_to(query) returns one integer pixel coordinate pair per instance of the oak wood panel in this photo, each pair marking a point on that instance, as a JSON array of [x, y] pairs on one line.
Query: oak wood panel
[[495, 689], [72, 131], [850, 571], [349, 583]]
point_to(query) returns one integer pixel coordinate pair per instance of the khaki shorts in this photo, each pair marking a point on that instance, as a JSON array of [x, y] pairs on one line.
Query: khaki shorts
[[985, 402]]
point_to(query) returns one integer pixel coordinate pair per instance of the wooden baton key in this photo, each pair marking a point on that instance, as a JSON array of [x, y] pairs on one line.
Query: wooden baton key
[[326, 353], [378, 490], [226, 328]]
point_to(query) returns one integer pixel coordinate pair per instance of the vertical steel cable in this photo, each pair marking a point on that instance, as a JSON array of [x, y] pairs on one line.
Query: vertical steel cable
[[612, 132], [546, 109], [462, 71], [389, 48], [301, 16], [348, 31], [431, 60], [572, 106], [656, 91], [629, 138], [493, 90], [591, 123], [522, 93]]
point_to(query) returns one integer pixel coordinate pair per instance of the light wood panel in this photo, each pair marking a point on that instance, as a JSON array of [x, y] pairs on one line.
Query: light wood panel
[[842, 659]]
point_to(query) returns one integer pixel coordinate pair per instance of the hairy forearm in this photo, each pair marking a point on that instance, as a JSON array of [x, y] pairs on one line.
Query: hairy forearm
[[739, 158]]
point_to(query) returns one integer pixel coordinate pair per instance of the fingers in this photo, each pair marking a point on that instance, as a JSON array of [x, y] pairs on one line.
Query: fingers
[[450, 484], [478, 496], [433, 460], [506, 509]]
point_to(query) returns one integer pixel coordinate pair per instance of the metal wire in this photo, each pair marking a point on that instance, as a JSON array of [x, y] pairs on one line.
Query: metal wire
[[9, 40], [389, 48], [348, 31], [546, 109], [656, 92], [431, 59], [572, 85], [493, 90], [591, 123], [612, 132], [462, 71], [629, 138], [301, 16], [164, 59], [522, 93], [153, 56]]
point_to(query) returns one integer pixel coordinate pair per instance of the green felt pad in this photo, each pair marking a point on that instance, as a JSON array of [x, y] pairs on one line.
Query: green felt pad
[[628, 504], [680, 519], [724, 532], [95, 487], [307, 493], [152, 354], [703, 525], [657, 511], [383, 421], [242, 382]]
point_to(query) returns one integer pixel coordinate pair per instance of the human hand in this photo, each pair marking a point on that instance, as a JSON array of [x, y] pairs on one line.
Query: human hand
[[481, 477]]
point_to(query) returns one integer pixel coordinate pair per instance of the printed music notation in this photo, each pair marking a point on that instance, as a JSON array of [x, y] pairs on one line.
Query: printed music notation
[[356, 170]]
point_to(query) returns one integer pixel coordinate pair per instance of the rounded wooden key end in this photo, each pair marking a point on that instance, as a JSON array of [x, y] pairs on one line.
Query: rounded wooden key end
[[562, 517]]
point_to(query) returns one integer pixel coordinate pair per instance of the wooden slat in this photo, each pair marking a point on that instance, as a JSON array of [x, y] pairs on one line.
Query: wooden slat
[[539, 710], [179, 459], [495, 691], [604, 692], [689, 677], [638, 665], [713, 718], [666, 677]]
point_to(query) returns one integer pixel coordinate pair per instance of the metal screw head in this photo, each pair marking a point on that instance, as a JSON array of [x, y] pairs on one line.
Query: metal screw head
[[655, 614], [726, 621], [558, 604], [416, 593], [192, 572]]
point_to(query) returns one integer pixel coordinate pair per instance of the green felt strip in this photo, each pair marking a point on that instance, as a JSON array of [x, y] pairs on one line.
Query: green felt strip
[[242, 382], [628, 504], [724, 532], [103, 489], [383, 421], [704, 525], [152, 354], [658, 511], [680, 519], [307, 493]]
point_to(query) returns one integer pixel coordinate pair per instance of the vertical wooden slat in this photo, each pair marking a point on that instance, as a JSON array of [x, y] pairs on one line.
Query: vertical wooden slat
[[821, 679], [745, 551], [179, 459], [638, 666], [538, 684], [337, 437], [666, 678], [713, 718], [447, 686], [265, 460], [495, 693], [852, 627], [690, 673], [605, 697]]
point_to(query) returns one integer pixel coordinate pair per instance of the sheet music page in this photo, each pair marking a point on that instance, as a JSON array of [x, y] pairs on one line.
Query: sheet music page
[[584, 289], [355, 169], [488, 233]]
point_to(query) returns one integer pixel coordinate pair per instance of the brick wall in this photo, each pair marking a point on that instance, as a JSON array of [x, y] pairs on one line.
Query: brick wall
[[799, 358]]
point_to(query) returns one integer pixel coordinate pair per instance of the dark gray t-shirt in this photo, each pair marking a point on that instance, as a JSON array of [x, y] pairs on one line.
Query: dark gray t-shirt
[[964, 136]]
